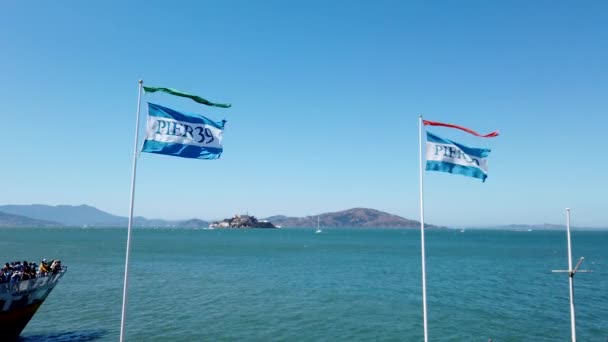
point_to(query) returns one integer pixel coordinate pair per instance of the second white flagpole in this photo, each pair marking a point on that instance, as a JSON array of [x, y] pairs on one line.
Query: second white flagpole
[[126, 280], [424, 316], [571, 277]]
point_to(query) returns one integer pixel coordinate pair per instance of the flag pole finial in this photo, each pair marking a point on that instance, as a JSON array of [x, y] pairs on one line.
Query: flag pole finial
[[141, 81]]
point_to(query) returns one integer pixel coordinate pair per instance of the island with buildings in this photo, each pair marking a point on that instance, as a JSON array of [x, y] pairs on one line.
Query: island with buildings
[[242, 221]]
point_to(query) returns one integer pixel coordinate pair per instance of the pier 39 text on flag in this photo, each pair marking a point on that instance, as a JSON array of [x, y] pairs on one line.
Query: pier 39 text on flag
[[182, 135], [447, 156]]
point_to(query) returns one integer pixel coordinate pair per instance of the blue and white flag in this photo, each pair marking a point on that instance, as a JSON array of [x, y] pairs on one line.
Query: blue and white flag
[[447, 156], [182, 135]]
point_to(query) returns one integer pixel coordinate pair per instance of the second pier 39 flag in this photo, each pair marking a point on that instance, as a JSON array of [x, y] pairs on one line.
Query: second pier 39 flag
[[182, 135], [448, 156], [468, 130]]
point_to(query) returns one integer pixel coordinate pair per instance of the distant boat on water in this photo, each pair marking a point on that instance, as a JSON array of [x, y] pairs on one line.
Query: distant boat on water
[[462, 230], [318, 231]]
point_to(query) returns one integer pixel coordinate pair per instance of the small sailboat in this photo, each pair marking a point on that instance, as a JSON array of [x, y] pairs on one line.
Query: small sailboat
[[318, 231]]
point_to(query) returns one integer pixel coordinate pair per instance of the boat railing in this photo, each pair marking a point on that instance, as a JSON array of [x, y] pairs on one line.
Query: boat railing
[[30, 284]]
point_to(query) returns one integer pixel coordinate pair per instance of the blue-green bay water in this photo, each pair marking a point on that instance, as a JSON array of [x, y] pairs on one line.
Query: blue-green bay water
[[294, 285]]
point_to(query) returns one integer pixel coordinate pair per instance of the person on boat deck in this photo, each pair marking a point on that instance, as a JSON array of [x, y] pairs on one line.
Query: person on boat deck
[[26, 271], [56, 266], [44, 268], [5, 273], [16, 277], [33, 270], [18, 267]]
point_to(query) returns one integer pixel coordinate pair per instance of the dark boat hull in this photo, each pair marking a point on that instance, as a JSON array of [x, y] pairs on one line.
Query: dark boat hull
[[14, 321], [20, 301]]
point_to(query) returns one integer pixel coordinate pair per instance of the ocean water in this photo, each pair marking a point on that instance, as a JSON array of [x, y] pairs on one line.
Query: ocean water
[[294, 285]]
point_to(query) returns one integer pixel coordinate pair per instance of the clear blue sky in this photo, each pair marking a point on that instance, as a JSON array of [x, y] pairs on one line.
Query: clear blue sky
[[326, 97]]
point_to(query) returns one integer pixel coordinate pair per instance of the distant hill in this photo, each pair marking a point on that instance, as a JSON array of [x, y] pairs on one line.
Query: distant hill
[[11, 220], [65, 214], [84, 215], [356, 217], [78, 216]]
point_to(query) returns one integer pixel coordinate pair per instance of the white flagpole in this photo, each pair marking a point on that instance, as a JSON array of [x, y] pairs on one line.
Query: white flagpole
[[426, 335], [126, 281], [571, 277]]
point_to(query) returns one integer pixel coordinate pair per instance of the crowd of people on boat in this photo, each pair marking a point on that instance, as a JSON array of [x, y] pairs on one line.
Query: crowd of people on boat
[[17, 271]]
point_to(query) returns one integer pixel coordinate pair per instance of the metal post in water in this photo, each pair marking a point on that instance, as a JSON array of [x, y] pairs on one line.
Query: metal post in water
[[571, 272], [571, 277]]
